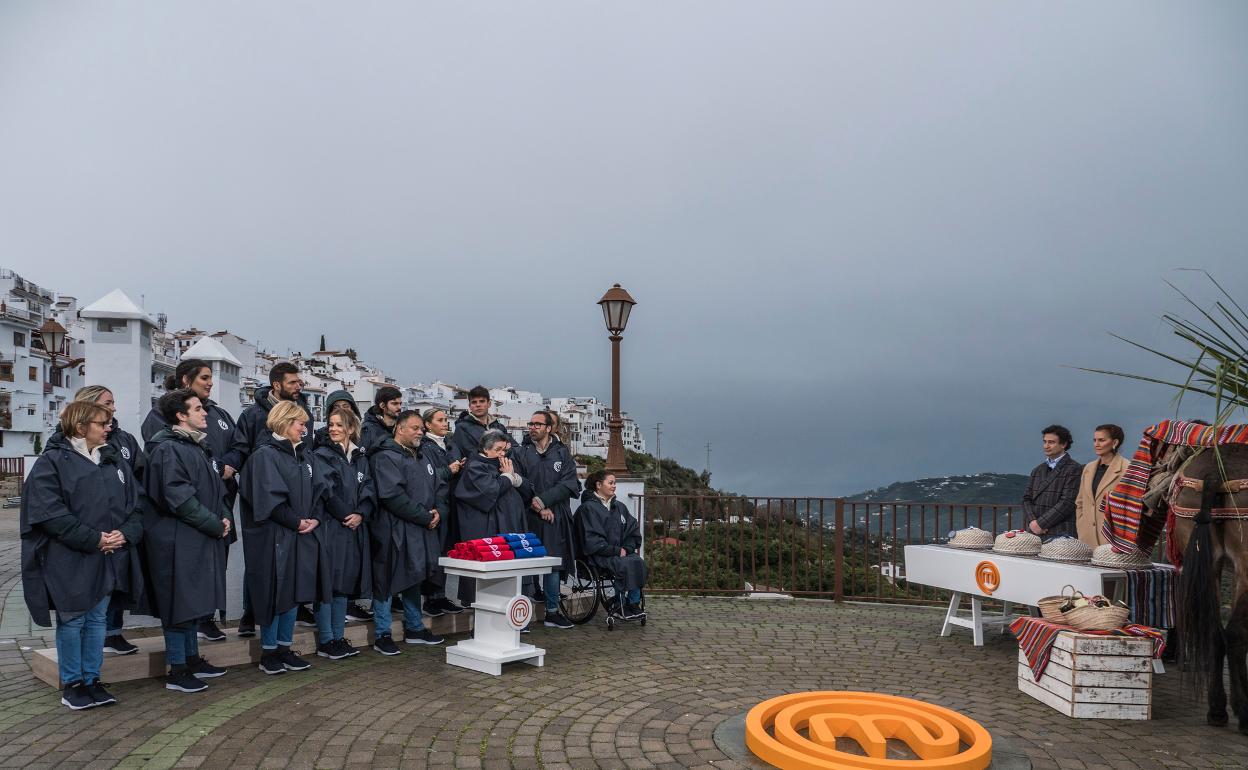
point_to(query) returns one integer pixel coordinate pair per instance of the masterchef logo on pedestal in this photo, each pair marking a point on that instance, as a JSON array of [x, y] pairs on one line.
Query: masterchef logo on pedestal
[[519, 612], [987, 577]]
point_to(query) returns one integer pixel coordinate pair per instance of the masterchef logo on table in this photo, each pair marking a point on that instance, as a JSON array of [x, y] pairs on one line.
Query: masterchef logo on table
[[987, 577], [519, 612]]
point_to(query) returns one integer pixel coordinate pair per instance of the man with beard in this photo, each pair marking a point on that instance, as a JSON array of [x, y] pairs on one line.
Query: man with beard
[[548, 465], [410, 494], [379, 419], [251, 432]]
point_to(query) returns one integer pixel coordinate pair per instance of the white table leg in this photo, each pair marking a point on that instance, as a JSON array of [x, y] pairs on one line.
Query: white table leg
[[977, 620], [1007, 609], [954, 601]]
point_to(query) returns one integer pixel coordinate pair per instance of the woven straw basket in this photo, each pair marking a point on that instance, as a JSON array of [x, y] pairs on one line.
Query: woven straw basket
[[1089, 618], [1051, 606], [1018, 543], [971, 538], [1068, 549], [1106, 556]]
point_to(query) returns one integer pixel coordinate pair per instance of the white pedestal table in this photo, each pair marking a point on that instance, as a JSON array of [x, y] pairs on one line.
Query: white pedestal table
[[501, 610]]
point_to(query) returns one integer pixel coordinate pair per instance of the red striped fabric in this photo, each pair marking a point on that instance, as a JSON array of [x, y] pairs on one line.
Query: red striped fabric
[[1036, 637]]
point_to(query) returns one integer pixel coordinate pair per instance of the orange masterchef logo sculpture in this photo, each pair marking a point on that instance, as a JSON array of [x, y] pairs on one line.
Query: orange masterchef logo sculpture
[[987, 577], [799, 732]]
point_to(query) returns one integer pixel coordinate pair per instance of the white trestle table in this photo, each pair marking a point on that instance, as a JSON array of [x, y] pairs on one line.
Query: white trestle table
[[500, 611], [1022, 580]]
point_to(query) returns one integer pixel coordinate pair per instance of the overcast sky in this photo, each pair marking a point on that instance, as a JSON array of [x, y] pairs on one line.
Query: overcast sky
[[867, 239]]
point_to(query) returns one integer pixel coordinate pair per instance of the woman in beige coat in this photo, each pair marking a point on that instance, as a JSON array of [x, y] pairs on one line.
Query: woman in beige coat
[[1099, 477]]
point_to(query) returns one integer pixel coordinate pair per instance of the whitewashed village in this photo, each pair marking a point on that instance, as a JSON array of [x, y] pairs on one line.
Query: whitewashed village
[[115, 341]]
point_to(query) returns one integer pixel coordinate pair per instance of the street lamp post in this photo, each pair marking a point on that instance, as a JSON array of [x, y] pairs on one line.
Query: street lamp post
[[616, 304]]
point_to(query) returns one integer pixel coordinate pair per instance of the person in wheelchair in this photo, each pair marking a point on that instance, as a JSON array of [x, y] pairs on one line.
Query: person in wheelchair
[[611, 538]]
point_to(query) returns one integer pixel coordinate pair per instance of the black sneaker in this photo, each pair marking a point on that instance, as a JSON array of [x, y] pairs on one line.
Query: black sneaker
[[117, 645], [182, 680], [423, 636], [291, 661], [557, 620], [331, 650], [271, 663], [448, 606], [202, 669], [209, 631], [77, 697], [101, 696], [632, 611], [433, 609], [526, 629], [246, 626], [347, 648], [358, 612], [305, 617], [386, 646]]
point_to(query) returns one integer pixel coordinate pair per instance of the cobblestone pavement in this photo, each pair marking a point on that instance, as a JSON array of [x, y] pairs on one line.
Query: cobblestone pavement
[[635, 697]]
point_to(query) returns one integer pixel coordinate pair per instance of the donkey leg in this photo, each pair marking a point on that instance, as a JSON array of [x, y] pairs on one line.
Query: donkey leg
[[1217, 715], [1237, 660]]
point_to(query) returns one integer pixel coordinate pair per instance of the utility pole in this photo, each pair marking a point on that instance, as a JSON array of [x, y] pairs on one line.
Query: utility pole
[[708, 460], [658, 452]]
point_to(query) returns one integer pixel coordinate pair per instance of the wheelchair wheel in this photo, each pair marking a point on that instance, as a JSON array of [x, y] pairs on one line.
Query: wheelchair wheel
[[578, 593]]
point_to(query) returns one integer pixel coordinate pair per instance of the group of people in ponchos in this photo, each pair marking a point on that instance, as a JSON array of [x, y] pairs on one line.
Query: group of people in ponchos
[[361, 509]]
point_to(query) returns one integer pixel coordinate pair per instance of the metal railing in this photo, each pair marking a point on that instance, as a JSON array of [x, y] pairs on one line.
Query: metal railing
[[801, 546]]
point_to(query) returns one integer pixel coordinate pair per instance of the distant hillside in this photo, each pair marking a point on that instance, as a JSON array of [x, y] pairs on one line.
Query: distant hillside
[[978, 489]]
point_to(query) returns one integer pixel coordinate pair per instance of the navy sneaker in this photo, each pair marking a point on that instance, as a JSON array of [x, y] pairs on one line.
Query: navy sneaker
[[202, 669], [117, 645], [386, 646], [271, 663], [423, 636], [101, 696], [182, 680]]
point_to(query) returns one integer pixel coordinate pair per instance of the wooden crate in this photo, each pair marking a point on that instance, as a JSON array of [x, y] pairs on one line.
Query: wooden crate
[[1094, 677]]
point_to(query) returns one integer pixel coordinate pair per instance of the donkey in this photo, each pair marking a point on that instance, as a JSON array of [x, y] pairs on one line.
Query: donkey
[[1210, 503]]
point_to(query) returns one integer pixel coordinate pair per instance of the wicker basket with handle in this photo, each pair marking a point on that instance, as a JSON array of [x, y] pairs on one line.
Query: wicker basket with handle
[[1051, 606], [1090, 617]]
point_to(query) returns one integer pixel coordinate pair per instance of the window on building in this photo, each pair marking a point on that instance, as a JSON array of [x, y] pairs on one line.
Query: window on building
[[110, 325], [34, 373], [19, 340], [6, 372], [55, 377]]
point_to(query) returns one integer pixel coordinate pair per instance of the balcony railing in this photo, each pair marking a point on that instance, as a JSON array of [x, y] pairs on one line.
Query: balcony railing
[[802, 546]]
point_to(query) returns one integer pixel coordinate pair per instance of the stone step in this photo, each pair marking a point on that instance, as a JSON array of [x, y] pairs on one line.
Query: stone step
[[149, 661]]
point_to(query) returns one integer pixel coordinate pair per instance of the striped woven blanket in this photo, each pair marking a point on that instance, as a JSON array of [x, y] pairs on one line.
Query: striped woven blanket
[[1036, 637], [1126, 528]]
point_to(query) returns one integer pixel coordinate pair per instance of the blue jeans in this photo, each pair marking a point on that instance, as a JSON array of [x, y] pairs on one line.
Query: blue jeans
[[411, 612], [181, 642], [550, 587], [113, 621], [331, 620], [80, 644], [281, 632]]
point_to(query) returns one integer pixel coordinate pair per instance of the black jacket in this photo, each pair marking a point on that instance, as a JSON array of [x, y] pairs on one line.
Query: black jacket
[[348, 488], [409, 489], [466, 440], [486, 503], [123, 443], [604, 531], [322, 433], [67, 503], [552, 477], [252, 429], [220, 430], [1050, 497], [277, 488], [186, 552], [373, 430]]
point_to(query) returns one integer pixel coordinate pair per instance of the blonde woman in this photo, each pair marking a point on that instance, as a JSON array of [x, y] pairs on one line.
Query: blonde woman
[[80, 523], [128, 449], [286, 560]]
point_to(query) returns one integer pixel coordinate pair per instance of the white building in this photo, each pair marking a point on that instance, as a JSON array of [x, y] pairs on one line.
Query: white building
[[32, 394], [586, 418], [120, 354]]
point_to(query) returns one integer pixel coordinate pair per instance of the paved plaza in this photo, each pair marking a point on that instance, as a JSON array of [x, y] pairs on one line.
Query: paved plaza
[[632, 698]]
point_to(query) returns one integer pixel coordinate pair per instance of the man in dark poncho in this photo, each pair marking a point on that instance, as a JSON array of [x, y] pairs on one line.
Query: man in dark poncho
[[489, 497], [251, 432], [410, 496], [549, 467], [379, 419], [196, 375], [187, 528], [80, 524], [287, 562], [472, 425], [434, 447], [611, 538]]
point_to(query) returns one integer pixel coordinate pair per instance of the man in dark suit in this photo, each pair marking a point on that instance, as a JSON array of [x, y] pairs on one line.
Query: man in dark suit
[[1049, 502]]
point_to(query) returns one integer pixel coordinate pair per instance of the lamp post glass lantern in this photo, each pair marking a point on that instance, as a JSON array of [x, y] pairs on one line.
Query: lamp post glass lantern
[[52, 335], [616, 305]]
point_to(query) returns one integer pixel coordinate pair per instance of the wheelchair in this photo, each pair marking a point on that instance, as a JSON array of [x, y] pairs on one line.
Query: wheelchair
[[585, 588]]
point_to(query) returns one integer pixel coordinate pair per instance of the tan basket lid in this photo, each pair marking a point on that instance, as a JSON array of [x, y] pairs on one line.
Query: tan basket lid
[[1018, 542]]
